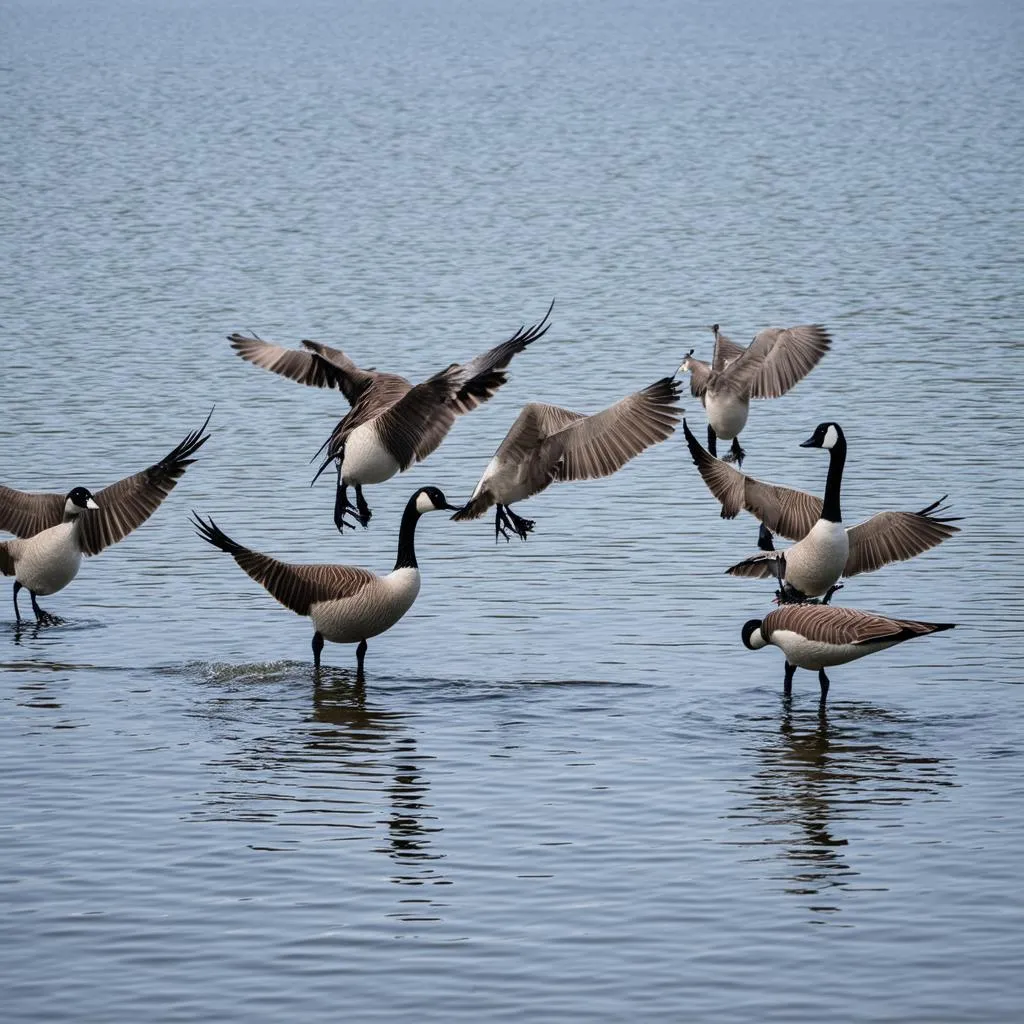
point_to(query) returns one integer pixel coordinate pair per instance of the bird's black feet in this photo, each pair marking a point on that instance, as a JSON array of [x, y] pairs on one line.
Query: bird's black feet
[[343, 507], [44, 618], [831, 590], [736, 453], [788, 594], [363, 513], [505, 520], [712, 442]]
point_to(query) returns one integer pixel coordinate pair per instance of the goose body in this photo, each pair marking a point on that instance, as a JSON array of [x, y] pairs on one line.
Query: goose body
[[825, 550], [391, 423], [548, 443], [816, 637], [346, 604], [773, 363], [54, 531]]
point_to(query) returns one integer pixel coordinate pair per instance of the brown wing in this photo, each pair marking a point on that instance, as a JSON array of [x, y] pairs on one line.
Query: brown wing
[[320, 366], [126, 505], [535, 423], [700, 374], [778, 358], [295, 586], [483, 375], [418, 422], [761, 566], [896, 536], [784, 510], [603, 443], [726, 351], [832, 624], [25, 514]]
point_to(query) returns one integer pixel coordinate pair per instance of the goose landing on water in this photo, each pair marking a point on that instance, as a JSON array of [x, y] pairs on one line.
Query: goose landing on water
[[392, 423], [775, 360], [348, 605], [55, 530], [548, 443], [825, 550], [816, 637]]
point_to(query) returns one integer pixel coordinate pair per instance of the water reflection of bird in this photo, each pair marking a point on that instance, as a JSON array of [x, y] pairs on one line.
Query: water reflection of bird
[[814, 775], [333, 771]]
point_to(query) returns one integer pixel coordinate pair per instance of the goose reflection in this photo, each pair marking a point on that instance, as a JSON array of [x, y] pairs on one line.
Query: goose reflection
[[817, 775], [350, 766]]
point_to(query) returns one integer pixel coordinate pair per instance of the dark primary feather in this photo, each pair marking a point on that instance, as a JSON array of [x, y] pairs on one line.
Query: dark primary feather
[[297, 587]]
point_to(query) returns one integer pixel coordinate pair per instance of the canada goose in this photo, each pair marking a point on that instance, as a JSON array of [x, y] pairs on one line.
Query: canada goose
[[392, 423], [55, 530], [815, 636], [824, 550], [548, 443], [776, 359], [348, 605]]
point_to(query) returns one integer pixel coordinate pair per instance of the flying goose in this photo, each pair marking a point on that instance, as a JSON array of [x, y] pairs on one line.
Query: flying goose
[[392, 423], [815, 636], [55, 530], [824, 550], [548, 443], [776, 359], [348, 605]]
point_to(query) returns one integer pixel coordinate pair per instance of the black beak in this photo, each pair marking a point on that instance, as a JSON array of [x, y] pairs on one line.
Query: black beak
[[809, 443], [452, 508]]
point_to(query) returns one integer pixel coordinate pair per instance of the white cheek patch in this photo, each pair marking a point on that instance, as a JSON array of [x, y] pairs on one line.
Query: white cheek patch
[[424, 504], [91, 504], [831, 437]]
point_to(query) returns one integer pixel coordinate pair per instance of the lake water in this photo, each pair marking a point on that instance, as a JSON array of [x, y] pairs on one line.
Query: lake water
[[568, 792]]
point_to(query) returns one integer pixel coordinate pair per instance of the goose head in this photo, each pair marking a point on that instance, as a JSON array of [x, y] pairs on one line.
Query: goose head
[[432, 499], [826, 435], [685, 364], [77, 501], [753, 638]]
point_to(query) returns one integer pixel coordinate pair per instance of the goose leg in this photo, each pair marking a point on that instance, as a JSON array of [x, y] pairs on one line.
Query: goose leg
[[521, 526], [787, 682], [506, 520], [823, 681], [343, 507], [831, 590], [17, 614], [360, 657], [736, 453], [712, 442], [363, 509], [42, 617], [318, 646]]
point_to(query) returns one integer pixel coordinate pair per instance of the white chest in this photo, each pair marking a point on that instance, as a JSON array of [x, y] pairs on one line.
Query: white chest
[[49, 561], [374, 609], [727, 413], [366, 459], [816, 562]]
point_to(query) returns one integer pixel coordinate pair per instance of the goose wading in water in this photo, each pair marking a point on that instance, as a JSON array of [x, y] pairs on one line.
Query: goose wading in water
[[825, 550], [391, 423], [55, 530], [347, 605], [548, 443], [815, 637], [775, 360]]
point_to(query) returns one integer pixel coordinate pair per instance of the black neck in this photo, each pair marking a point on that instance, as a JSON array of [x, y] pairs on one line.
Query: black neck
[[407, 537], [837, 459]]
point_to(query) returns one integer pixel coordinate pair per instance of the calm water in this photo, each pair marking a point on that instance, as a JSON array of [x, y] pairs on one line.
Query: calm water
[[568, 792]]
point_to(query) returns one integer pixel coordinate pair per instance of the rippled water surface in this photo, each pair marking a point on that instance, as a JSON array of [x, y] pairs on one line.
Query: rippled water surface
[[567, 791]]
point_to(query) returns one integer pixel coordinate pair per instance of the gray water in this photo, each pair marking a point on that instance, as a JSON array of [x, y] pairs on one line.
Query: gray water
[[568, 792]]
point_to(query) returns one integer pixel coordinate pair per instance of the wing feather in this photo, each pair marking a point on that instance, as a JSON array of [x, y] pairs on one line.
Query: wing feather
[[25, 514], [896, 536]]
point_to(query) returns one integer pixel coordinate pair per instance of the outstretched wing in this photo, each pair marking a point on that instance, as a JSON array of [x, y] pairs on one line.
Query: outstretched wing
[[319, 366], [784, 510], [296, 586], [482, 376], [897, 536], [598, 445], [778, 358], [726, 351], [25, 514], [126, 505]]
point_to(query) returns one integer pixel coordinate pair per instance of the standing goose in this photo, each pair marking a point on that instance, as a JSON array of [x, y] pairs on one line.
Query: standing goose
[[815, 636], [548, 443], [392, 423], [348, 605], [825, 550], [55, 530], [776, 359]]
